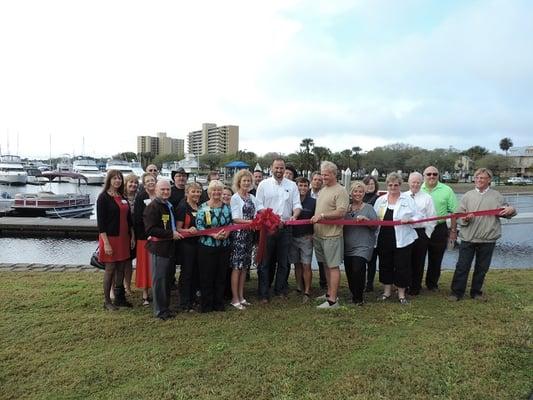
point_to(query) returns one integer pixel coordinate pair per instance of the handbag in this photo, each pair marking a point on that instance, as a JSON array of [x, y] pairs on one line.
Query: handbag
[[94, 259]]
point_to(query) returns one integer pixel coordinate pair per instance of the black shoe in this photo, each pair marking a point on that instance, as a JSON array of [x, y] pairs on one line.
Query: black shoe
[[433, 288], [123, 303], [369, 288], [110, 307]]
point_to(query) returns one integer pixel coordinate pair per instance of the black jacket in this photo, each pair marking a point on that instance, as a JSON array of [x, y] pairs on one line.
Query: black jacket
[[139, 207], [157, 223], [176, 195], [108, 215]]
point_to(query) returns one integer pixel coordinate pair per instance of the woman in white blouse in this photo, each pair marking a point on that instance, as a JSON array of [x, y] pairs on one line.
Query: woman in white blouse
[[426, 209], [394, 243], [244, 207]]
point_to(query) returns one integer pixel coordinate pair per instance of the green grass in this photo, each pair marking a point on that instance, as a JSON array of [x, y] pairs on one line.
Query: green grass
[[57, 343]]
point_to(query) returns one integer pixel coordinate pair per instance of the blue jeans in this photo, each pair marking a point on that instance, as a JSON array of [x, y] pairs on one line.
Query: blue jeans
[[277, 251], [467, 251]]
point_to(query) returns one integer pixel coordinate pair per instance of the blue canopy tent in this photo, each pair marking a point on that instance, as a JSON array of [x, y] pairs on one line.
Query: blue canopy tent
[[233, 166]]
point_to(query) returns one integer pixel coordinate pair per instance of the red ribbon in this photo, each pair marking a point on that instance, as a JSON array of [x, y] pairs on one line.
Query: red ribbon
[[267, 223]]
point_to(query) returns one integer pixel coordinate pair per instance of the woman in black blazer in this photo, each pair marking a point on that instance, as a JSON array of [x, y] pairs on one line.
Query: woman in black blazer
[[116, 237]]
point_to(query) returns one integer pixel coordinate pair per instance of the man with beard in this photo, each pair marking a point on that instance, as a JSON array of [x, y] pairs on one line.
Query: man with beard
[[282, 196]]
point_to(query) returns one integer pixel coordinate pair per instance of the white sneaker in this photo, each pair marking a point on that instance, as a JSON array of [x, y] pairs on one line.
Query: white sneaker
[[238, 306], [326, 305], [321, 298], [245, 303]]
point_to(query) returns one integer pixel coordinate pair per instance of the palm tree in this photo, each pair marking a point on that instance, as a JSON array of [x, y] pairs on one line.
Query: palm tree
[[356, 150], [305, 154], [321, 154], [506, 144]]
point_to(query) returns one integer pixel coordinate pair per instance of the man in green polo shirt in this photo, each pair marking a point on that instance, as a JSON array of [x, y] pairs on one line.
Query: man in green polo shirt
[[445, 202]]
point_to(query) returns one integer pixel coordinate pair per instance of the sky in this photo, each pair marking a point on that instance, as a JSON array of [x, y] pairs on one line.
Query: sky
[[88, 77]]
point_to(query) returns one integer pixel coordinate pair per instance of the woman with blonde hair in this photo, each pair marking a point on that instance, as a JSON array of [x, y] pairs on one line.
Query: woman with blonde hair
[[213, 249], [395, 242], [131, 184], [244, 207]]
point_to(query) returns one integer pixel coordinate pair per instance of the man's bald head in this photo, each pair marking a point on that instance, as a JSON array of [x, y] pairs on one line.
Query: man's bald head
[[162, 189]]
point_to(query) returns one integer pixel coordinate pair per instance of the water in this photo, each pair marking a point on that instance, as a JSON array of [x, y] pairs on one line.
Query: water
[[513, 250]]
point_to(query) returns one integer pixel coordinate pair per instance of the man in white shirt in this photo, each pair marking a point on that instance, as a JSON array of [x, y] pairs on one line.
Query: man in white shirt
[[282, 196]]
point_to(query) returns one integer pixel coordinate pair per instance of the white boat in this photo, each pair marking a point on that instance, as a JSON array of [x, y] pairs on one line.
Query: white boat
[[11, 170], [50, 204], [125, 167], [35, 176], [89, 170]]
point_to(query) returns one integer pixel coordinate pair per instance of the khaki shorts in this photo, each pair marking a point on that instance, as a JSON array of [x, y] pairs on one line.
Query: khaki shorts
[[301, 250], [330, 251]]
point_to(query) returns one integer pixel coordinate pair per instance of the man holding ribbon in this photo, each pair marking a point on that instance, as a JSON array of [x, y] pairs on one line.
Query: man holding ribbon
[[445, 203], [282, 196], [160, 224], [478, 234], [328, 240]]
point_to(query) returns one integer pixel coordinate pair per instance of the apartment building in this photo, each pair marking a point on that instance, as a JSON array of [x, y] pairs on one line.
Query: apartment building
[[160, 144], [213, 139]]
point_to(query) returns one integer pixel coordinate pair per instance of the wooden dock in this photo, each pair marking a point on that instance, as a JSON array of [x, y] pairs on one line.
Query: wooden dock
[[41, 226]]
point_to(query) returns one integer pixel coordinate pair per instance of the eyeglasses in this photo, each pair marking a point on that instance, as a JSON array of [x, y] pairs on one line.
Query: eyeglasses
[[432, 174], [393, 184]]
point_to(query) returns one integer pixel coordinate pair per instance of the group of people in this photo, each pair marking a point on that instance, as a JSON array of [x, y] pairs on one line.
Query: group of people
[[161, 226]]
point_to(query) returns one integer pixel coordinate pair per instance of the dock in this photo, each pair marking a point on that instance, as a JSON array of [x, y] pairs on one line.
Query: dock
[[41, 226]]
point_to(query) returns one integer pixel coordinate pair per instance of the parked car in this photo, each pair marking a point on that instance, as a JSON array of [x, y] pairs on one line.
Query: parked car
[[516, 180]]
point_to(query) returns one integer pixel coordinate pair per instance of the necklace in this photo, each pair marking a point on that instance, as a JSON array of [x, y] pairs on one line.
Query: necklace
[[356, 207]]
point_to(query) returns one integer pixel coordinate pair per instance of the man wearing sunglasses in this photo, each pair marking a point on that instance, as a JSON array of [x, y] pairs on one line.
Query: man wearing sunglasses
[[445, 202]]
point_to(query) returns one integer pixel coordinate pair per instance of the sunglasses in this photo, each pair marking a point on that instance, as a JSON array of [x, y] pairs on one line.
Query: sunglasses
[[432, 174]]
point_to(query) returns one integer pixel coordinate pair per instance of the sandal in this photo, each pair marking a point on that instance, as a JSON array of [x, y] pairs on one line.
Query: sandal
[[403, 300], [146, 302], [245, 303], [384, 297]]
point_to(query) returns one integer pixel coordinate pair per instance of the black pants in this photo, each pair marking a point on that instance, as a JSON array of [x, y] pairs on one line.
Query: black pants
[[213, 266], [371, 269], [277, 251], [418, 260], [395, 265], [355, 268], [436, 248], [467, 251], [189, 270]]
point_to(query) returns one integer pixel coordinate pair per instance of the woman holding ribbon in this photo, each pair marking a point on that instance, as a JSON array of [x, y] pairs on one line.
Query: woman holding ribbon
[[371, 195], [188, 248], [359, 241], [213, 248], [143, 272], [395, 239], [244, 207]]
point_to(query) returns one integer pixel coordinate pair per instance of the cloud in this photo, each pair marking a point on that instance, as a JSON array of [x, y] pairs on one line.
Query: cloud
[[447, 73]]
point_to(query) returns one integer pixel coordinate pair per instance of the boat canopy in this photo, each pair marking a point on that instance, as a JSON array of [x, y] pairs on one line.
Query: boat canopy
[[60, 174]]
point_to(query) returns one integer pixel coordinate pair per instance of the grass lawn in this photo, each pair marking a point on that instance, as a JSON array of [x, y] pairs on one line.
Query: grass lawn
[[57, 342]]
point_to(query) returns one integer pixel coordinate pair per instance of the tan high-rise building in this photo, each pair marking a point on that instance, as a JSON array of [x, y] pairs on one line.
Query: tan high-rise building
[[213, 139], [160, 144]]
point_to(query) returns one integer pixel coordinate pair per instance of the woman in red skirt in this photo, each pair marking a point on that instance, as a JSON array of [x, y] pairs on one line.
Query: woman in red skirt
[[143, 273], [116, 237]]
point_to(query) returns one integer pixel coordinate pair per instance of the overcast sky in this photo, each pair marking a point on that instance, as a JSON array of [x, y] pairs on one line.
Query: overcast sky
[[345, 73]]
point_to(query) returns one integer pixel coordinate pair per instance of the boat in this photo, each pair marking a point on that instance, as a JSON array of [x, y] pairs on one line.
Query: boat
[[52, 205], [125, 167], [65, 165], [89, 170], [34, 176], [12, 171]]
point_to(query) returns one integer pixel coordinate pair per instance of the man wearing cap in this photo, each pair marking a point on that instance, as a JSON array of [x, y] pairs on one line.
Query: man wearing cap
[[445, 203], [178, 190]]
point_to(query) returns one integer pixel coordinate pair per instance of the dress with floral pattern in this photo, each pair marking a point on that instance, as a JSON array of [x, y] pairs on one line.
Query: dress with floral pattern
[[243, 240]]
